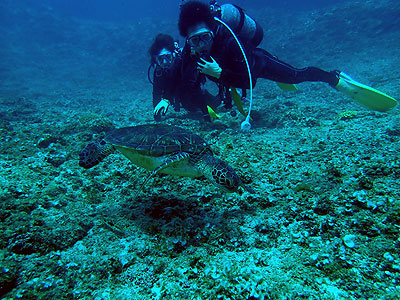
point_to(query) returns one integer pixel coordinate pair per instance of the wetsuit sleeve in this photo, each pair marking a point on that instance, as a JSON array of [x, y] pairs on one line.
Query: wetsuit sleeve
[[157, 89]]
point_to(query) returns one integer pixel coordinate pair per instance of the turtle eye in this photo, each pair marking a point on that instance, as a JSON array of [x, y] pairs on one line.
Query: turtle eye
[[228, 184], [231, 184]]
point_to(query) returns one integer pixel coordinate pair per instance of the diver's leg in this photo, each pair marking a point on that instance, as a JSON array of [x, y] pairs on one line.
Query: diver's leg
[[270, 67], [267, 66]]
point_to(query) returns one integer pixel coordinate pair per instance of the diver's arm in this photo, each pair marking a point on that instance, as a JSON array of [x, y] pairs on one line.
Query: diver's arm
[[157, 89], [156, 96]]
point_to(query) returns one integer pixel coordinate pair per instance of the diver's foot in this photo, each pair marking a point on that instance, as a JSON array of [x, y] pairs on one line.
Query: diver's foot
[[364, 95]]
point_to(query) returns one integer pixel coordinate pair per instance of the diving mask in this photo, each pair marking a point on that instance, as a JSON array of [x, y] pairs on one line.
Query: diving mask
[[164, 59], [201, 39]]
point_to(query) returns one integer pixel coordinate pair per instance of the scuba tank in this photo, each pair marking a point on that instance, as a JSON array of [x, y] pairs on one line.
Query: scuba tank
[[245, 27]]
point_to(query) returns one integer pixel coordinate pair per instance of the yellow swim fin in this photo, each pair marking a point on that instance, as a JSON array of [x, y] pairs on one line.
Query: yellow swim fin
[[212, 113], [287, 87], [238, 101], [365, 95]]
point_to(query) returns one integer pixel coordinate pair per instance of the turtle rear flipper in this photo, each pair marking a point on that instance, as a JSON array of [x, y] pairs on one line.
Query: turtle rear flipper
[[94, 153]]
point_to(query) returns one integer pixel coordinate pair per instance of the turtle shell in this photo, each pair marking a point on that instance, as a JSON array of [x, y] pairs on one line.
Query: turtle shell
[[157, 140]]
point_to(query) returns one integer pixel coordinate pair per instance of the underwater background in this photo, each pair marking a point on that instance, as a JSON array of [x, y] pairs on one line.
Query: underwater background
[[324, 221]]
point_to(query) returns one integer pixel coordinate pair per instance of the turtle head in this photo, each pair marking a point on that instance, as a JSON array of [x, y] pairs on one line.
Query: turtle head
[[94, 153], [221, 174]]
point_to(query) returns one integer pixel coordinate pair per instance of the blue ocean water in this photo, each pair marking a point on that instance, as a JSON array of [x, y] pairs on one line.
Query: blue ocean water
[[59, 32], [125, 11]]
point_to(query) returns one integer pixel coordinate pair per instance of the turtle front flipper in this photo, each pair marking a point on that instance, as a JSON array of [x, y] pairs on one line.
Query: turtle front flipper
[[94, 153], [221, 174], [167, 163]]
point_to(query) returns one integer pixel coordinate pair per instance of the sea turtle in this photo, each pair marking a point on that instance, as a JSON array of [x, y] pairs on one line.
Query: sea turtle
[[164, 149]]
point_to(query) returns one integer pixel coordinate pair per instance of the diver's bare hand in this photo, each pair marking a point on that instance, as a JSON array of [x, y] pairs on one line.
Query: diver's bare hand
[[209, 68]]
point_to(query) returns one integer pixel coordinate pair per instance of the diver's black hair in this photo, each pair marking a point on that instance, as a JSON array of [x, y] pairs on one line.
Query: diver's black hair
[[160, 42], [193, 13]]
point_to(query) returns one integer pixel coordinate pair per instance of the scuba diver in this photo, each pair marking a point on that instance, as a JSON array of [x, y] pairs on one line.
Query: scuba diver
[[166, 62], [223, 41], [175, 84]]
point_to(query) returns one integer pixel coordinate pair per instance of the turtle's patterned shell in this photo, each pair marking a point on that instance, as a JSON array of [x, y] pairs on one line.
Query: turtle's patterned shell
[[158, 140]]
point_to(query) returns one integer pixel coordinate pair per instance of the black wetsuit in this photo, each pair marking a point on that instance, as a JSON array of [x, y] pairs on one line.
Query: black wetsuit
[[192, 94], [262, 65], [183, 87], [165, 82]]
